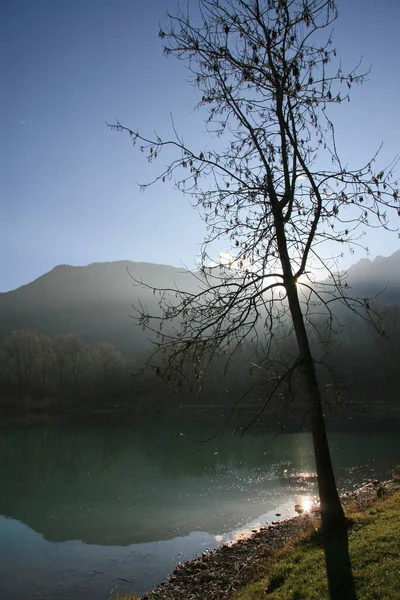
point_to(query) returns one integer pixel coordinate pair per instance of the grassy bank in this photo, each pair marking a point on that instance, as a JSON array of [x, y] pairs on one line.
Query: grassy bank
[[298, 572]]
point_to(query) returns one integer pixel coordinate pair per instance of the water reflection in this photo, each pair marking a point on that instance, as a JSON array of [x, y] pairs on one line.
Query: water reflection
[[120, 485], [125, 503]]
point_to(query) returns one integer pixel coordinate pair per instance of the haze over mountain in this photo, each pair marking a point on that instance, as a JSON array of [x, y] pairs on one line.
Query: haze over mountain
[[96, 301], [93, 301], [379, 277]]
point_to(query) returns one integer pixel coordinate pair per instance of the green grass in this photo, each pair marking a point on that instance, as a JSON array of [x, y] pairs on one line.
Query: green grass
[[298, 572]]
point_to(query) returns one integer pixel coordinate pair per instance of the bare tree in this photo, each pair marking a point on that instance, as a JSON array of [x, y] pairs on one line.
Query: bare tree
[[109, 365], [274, 186], [22, 346]]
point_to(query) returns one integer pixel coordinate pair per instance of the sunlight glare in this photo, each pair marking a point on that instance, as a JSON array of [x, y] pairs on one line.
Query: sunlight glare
[[307, 504], [304, 506]]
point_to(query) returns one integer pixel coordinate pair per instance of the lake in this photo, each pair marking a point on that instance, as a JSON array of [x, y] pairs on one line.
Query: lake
[[90, 510]]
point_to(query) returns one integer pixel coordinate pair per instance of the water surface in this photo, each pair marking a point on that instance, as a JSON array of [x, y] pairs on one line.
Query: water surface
[[91, 509]]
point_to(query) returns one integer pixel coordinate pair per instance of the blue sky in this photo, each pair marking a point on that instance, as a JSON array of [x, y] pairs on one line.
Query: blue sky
[[68, 191]]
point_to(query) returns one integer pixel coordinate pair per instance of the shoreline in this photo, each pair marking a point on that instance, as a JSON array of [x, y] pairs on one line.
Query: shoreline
[[217, 574]]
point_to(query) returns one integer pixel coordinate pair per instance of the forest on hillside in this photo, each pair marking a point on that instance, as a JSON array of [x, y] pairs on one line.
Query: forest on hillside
[[358, 367]]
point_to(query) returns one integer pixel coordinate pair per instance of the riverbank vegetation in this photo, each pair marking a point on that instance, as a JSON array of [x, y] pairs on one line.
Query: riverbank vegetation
[[62, 373]]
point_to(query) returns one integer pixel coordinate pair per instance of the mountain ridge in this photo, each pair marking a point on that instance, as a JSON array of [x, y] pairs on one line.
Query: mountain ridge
[[95, 301]]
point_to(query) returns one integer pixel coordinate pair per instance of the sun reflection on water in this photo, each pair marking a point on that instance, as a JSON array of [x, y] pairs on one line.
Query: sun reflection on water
[[304, 505]]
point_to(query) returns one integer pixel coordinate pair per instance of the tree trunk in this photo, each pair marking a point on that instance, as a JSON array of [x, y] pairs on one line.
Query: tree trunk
[[333, 521], [332, 515]]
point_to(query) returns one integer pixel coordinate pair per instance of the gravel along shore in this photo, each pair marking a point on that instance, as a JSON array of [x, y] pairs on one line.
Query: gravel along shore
[[215, 575]]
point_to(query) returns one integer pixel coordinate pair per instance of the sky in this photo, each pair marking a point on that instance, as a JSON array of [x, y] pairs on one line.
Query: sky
[[69, 189]]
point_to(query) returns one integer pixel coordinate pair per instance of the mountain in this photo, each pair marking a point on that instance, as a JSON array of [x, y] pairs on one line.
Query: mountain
[[379, 277], [96, 301]]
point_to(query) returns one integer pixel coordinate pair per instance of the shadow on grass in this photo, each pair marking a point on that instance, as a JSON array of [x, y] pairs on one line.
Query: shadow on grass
[[339, 575], [338, 565]]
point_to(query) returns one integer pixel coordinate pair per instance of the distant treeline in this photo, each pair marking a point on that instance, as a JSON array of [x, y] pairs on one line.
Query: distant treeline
[[61, 368], [359, 372]]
